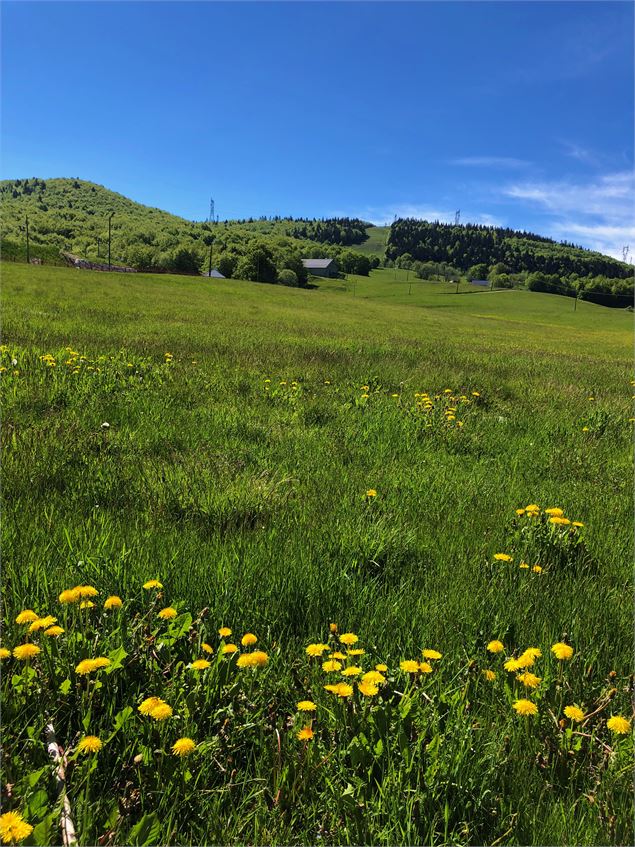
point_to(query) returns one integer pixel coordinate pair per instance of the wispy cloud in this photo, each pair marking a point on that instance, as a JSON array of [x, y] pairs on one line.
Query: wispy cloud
[[491, 162], [599, 213]]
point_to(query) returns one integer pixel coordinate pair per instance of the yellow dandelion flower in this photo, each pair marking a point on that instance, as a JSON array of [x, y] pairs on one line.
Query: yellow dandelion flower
[[149, 704], [332, 688], [431, 654], [113, 602], [306, 706], [524, 566], [353, 670], [536, 569], [574, 713], [24, 652], [89, 665], [70, 595], [167, 614], [89, 744], [503, 557], [14, 828], [556, 513], [305, 734], [532, 507], [356, 652], [161, 712], [489, 675], [381, 668], [562, 651], [152, 583], [224, 632], [87, 604], [257, 659], [333, 628], [512, 665], [42, 623], [331, 665], [229, 649], [349, 638], [86, 591], [317, 649], [525, 707], [183, 747], [535, 652], [200, 665], [53, 631], [207, 648], [338, 655], [27, 616], [530, 680], [4, 653], [525, 660], [409, 666], [520, 512], [248, 639], [368, 689], [495, 647], [619, 724], [371, 491], [374, 677], [425, 667], [344, 690]]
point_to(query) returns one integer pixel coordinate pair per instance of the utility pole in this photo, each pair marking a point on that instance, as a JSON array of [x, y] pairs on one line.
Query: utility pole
[[211, 247], [457, 217], [28, 254], [109, 235], [457, 285]]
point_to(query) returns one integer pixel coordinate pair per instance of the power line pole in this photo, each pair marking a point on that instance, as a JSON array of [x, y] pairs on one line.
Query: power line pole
[[211, 247], [457, 217], [211, 210], [28, 253], [109, 236]]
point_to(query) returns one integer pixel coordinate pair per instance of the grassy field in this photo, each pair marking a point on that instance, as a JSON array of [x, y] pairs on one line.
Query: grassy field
[[376, 243], [284, 460]]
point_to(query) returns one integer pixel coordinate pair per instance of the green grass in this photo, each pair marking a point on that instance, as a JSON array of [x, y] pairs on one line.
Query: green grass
[[376, 242], [246, 498]]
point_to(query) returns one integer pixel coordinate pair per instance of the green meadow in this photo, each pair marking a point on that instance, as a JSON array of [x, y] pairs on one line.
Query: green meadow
[[282, 460]]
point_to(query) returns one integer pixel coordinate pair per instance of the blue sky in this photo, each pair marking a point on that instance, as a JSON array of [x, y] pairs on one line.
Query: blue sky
[[515, 113]]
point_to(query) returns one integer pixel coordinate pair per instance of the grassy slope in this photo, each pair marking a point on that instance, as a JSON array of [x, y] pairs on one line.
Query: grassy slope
[[376, 243], [254, 506]]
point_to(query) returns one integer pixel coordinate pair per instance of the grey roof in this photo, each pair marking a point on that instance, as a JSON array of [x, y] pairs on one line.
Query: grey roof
[[479, 281], [316, 263], [215, 273]]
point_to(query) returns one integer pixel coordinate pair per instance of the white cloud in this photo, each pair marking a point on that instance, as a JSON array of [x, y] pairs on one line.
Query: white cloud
[[491, 162], [599, 214]]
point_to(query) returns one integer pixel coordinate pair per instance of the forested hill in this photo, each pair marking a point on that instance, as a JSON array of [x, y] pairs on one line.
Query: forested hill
[[72, 215], [474, 246]]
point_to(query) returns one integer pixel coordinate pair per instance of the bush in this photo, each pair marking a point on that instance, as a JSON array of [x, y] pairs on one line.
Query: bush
[[288, 277]]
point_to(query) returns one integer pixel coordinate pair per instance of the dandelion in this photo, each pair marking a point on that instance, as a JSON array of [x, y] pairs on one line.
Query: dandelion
[[224, 632], [562, 651], [577, 523], [248, 639], [520, 512], [229, 649], [333, 628], [489, 675], [338, 655], [4, 653], [534, 652], [183, 747], [371, 491], [431, 654], [317, 649], [87, 604], [349, 638], [536, 569], [574, 713], [503, 557], [556, 513], [512, 665], [524, 566], [113, 602], [70, 595], [374, 677], [161, 712], [14, 828], [24, 652], [305, 734], [149, 704], [409, 666], [381, 668], [495, 647], [200, 665], [87, 666], [425, 667], [619, 724], [525, 707], [89, 744], [152, 583], [344, 690], [42, 623], [529, 680], [207, 648], [331, 665], [353, 670], [86, 591], [358, 652], [525, 660], [306, 706], [368, 689], [53, 631], [27, 616], [167, 614]]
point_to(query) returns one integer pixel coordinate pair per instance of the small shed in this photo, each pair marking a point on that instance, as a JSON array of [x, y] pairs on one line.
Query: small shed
[[215, 273], [483, 282], [321, 267]]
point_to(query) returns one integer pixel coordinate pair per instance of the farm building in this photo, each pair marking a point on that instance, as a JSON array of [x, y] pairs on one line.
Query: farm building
[[483, 282], [321, 267], [215, 273]]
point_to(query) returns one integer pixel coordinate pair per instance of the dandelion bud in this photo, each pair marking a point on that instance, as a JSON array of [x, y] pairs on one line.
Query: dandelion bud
[[138, 758], [612, 674]]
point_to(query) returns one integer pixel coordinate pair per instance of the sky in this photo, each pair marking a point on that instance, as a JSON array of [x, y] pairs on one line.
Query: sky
[[515, 113]]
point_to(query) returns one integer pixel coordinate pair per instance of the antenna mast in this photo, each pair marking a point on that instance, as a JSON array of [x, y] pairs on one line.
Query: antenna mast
[[625, 251], [211, 210], [457, 217]]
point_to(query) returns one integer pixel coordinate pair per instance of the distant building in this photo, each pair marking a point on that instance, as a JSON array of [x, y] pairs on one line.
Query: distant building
[[321, 267], [215, 273], [484, 282]]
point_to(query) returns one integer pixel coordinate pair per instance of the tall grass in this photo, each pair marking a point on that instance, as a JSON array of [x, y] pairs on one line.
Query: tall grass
[[223, 438]]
